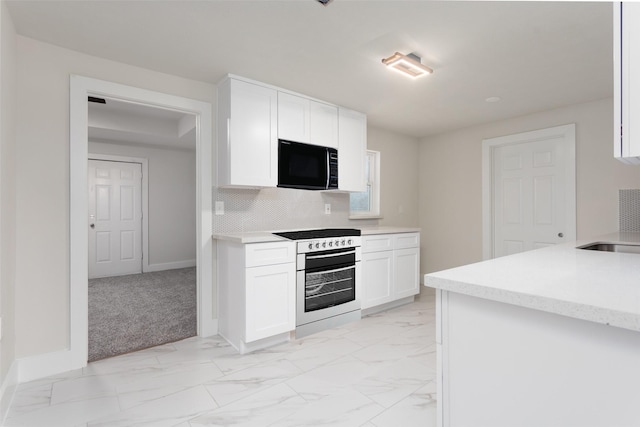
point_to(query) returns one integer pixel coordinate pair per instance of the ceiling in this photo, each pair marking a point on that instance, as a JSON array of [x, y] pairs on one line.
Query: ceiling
[[129, 123], [535, 56]]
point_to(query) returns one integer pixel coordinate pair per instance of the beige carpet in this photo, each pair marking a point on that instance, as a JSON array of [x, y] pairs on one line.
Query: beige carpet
[[129, 313]]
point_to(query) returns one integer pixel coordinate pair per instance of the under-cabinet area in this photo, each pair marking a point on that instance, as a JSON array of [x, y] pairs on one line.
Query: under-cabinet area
[[273, 287]]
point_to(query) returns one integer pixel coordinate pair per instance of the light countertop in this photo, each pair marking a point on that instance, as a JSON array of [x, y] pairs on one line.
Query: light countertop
[[602, 287], [268, 236]]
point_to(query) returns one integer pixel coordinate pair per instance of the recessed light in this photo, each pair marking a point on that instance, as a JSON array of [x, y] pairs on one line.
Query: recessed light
[[492, 99]]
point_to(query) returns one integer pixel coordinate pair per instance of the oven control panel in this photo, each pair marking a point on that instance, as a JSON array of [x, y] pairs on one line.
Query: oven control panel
[[328, 243]]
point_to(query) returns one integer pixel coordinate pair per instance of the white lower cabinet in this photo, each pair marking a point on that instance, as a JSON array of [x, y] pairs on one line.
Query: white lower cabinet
[[406, 272], [377, 278], [257, 293], [390, 268]]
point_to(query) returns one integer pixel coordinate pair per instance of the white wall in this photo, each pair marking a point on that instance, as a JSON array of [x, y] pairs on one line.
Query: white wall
[[172, 200], [398, 175], [451, 174], [42, 165], [7, 195]]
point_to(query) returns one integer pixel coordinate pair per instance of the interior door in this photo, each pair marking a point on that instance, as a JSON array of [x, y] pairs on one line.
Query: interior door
[[115, 218], [533, 191]]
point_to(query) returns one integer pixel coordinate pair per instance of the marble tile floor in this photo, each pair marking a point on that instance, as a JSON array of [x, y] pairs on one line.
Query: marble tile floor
[[377, 372]]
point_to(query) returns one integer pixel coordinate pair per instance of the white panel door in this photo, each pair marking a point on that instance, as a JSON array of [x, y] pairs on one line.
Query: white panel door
[[115, 218], [270, 300], [294, 120], [377, 278], [533, 192], [406, 272], [323, 119]]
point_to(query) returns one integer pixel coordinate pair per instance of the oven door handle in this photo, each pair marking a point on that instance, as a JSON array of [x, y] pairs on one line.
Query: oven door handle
[[335, 270], [337, 254]]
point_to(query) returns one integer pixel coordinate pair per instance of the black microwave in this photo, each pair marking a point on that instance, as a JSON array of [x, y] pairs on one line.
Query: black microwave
[[307, 166]]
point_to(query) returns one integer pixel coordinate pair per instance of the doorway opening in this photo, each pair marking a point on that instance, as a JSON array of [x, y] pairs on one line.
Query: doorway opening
[[81, 89], [142, 227]]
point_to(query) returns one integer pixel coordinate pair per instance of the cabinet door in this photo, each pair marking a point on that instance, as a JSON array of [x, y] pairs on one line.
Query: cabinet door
[[294, 122], [406, 264], [626, 92], [247, 138], [270, 301], [352, 150], [324, 124], [377, 277]]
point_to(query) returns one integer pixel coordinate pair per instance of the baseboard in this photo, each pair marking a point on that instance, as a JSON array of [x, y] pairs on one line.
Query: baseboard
[[170, 265], [387, 306], [7, 391], [44, 365], [209, 329]]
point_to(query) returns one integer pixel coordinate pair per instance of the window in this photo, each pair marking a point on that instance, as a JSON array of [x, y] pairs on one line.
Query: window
[[366, 204]]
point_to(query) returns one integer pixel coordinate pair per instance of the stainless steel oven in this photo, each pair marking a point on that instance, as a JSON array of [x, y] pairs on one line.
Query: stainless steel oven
[[328, 278]]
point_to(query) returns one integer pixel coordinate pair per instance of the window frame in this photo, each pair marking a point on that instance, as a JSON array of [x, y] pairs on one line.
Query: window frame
[[373, 182]]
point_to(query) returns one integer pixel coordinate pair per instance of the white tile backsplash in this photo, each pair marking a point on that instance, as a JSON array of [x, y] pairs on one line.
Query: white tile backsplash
[[629, 210], [247, 210]]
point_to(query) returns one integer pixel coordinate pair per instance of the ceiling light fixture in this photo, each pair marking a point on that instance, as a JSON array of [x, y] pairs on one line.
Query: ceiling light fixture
[[324, 2], [409, 65]]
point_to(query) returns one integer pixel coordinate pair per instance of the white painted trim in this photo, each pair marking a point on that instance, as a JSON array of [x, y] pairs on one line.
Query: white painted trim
[[8, 390], [568, 133], [43, 365], [145, 198], [80, 89], [171, 265]]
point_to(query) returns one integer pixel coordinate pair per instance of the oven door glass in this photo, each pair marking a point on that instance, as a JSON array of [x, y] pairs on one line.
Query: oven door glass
[[329, 288]]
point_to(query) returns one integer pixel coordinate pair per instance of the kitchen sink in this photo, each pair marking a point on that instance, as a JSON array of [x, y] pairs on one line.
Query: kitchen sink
[[611, 247]]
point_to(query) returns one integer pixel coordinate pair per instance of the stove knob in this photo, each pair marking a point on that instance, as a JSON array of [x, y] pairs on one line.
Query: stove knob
[[330, 243], [317, 245], [337, 242], [342, 243], [349, 242], [324, 244], [310, 245]]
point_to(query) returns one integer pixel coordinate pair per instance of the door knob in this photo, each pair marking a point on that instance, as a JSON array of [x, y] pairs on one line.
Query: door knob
[[92, 226], [560, 234]]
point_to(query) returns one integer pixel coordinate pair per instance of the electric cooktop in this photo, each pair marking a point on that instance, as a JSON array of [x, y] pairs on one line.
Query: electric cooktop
[[319, 233]]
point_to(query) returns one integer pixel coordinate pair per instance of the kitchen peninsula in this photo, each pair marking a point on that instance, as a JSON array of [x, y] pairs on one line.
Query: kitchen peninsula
[[549, 337]]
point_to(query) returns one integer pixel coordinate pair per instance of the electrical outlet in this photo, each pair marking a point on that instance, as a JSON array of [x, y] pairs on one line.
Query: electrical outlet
[[327, 208], [219, 207]]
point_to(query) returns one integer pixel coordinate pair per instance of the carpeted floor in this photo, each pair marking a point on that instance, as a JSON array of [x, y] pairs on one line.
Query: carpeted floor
[[129, 313]]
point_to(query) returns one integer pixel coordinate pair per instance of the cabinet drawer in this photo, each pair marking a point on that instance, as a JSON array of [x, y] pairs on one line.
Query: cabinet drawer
[[258, 254], [377, 242], [406, 240]]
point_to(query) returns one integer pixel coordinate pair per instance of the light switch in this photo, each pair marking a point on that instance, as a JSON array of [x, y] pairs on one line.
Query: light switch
[[327, 208]]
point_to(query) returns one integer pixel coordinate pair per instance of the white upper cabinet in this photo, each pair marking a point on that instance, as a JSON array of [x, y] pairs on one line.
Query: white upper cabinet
[[626, 67], [302, 119], [352, 150], [293, 118], [324, 124], [252, 116], [247, 134]]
